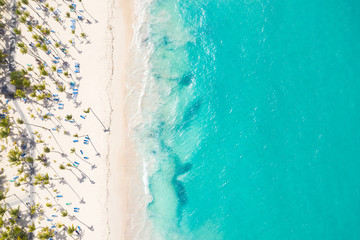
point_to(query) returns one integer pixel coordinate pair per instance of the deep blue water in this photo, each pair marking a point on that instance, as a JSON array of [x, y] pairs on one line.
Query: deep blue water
[[256, 134]]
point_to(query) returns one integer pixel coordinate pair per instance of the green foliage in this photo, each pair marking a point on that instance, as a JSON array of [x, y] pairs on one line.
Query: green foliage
[[62, 167], [3, 210], [18, 233], [14, 156], [5, 125], [64, 213], [32, 227], [45, 233], [18, 79], [61, 88], [20, 121], [71, 230], [46, 149], [68, 117], [20, 93], [44, 179], [17, 31], [87, 111], [45, 31], [15, 212], [5, 122], [23, 19]]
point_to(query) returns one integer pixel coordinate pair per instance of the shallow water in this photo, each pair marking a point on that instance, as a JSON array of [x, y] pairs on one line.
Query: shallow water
[[253, 127]]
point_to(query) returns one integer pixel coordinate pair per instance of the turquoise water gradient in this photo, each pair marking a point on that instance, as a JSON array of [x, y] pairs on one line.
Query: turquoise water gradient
[[258, 131]]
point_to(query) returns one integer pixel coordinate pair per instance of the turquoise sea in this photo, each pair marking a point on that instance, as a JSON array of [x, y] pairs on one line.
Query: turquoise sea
[[254, 130]]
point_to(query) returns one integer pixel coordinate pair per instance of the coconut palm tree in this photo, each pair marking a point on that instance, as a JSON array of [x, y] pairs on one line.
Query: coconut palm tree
[[46, 233], [5, 122], [4, 133], [71, 230], [17, 31], [14, 156], [18, 232], [20, 93], [15, 212], [32, 227], [19, 80], [64, 213]]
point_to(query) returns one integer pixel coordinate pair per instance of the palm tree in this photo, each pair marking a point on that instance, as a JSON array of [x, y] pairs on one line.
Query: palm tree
[[18, 79], [46, 149], [69, 117], [64, 213], [3, 210], [15, 212], [4, 133], [32, 210], [26, 2], [20, 93], [61, 88], [71, 230], [31, 227], [5, 122], [45, 233], [18, 233], [17, 31], [14, 156]]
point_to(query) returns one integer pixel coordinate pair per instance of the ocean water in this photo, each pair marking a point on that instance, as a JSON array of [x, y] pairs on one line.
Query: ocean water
[[250, 119]]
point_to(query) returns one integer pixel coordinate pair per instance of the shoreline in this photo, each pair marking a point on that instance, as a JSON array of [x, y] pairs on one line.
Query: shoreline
[[125, 179]]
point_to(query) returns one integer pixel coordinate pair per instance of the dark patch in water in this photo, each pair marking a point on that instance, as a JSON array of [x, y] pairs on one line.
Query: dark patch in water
[[189, 115], [184, 169], [165, 40], [185, 80], [180, 192], [191, 112]]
